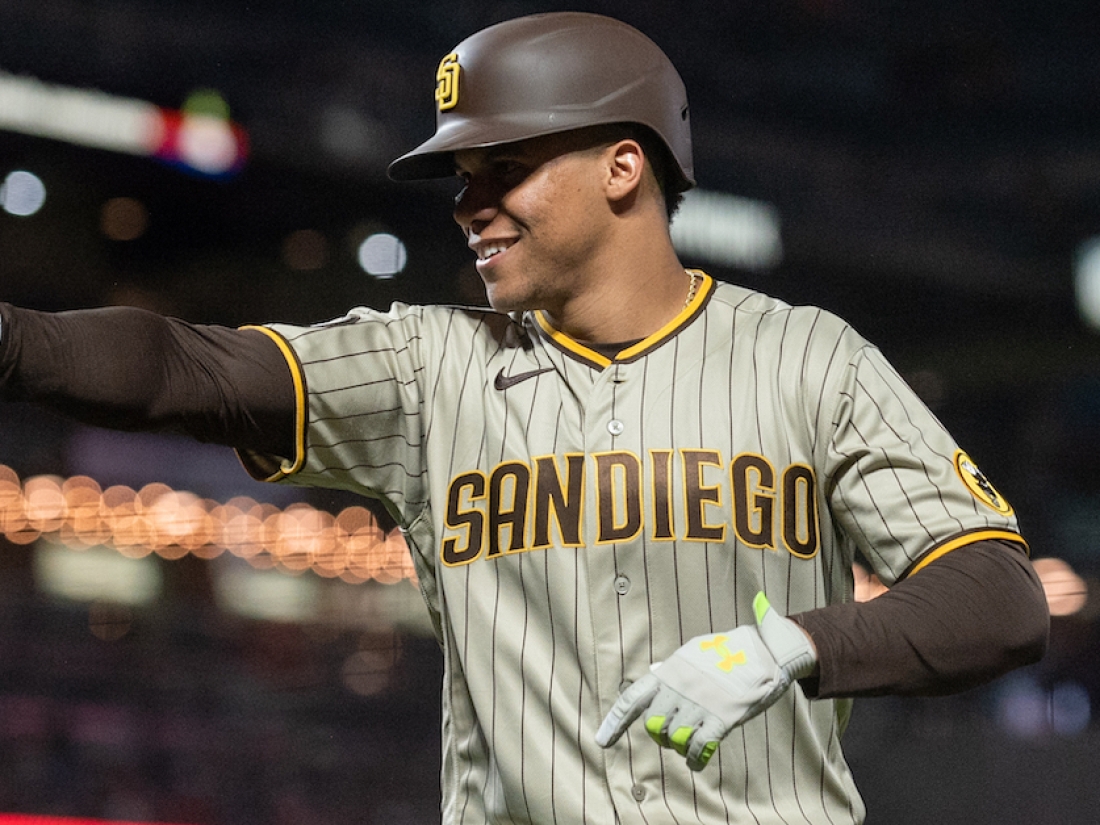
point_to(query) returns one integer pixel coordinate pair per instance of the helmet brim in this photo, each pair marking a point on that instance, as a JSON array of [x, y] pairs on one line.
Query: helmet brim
[[434, 158]]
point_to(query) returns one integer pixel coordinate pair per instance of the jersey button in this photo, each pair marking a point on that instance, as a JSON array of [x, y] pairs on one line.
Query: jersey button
[[638, 792], [615, 426], [622, 585]]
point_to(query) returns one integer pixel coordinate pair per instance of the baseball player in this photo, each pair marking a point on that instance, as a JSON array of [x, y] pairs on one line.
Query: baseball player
[[633, 494]]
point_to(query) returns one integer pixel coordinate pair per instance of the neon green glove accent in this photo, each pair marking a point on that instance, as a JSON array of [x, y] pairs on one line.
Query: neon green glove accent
[[655, 725], [714, 683], [681, 739]]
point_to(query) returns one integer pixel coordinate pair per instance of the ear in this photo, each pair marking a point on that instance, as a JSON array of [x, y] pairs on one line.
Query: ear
[[626, 166]]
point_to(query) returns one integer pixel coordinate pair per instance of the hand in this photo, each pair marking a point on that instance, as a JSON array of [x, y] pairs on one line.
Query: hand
[[713, 684]]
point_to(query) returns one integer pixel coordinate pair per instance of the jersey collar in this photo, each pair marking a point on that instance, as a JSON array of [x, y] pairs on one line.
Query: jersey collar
[[590, 356]]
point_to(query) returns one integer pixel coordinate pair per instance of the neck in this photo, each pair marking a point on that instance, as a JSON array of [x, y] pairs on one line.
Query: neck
[[627, 306], [632, 283]]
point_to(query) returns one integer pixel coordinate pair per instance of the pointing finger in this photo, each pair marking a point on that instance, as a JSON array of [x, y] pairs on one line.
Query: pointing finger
[[627, 708]]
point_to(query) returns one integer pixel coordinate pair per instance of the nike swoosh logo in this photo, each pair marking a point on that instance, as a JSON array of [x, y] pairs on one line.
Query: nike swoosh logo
[[503, 382]]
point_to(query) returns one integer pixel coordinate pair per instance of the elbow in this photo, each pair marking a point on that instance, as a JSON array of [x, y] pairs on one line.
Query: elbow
[[1019, 639], [1032, 637], [1019, 601], [1023, 633]]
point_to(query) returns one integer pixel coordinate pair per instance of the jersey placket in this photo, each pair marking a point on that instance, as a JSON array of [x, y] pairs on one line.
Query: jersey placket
[[615, 527]]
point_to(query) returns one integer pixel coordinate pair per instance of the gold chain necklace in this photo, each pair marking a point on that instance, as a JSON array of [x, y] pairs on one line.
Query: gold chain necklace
[[692, 287]]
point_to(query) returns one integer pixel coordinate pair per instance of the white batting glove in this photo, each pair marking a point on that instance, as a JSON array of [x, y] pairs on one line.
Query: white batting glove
[[712, 684]]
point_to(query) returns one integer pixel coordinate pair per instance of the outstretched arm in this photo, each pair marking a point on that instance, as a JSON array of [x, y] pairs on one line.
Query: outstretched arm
[[130, 369]]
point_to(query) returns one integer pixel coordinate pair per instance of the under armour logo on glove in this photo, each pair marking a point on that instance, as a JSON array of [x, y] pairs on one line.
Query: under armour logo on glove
[[712, 684], [728, 660]]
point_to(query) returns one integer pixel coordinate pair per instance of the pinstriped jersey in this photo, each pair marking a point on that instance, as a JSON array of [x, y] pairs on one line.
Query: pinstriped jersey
[[575, 517]]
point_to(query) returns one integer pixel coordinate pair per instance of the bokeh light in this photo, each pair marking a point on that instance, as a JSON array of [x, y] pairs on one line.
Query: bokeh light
[[22, 193], [123, 219], [1028, 709], [208, 144], [305, 250], [370, 670], [1087, 282], [383, 255], [78, 513]]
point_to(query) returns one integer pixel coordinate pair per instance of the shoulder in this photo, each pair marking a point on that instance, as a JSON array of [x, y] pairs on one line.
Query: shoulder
[[401, 319], [773, 321]]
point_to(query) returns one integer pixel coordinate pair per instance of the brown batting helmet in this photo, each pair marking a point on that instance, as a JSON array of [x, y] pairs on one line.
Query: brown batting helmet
[[548, 73]]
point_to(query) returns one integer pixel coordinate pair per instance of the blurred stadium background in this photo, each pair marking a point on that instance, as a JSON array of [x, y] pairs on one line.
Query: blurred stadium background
[[180, 644]]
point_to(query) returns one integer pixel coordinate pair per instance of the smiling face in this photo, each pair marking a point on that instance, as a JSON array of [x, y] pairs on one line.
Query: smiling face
[[537, 216]]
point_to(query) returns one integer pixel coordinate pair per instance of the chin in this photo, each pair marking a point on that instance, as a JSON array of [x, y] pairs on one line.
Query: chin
[[505, 308], [502, 302]]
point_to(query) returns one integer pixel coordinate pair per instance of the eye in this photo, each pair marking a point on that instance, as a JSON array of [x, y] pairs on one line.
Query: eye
[[510, 169]]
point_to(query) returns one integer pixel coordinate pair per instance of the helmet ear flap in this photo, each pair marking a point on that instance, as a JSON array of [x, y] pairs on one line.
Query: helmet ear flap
[[549, 73]]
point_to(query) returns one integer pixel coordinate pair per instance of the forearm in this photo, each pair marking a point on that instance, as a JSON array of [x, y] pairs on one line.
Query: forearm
[[126, 368], [963, 620]]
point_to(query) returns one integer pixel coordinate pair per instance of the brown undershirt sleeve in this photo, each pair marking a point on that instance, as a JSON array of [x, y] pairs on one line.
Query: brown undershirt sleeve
[[964, 619], [130, 369]]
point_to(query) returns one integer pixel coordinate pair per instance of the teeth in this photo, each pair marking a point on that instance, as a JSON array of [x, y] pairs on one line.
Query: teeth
[[487, 252]]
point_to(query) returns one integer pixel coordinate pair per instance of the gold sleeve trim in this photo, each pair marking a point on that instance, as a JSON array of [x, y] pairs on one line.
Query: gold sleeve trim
[[962, 541], [291, 465]]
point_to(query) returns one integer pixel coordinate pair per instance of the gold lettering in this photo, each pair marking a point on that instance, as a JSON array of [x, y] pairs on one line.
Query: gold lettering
[[618, 496], [565, 505], [753, 500], [471, 487], [661, 462], [508, 512], [699, 496], [489, 516], [800, 530], [446, 90]]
